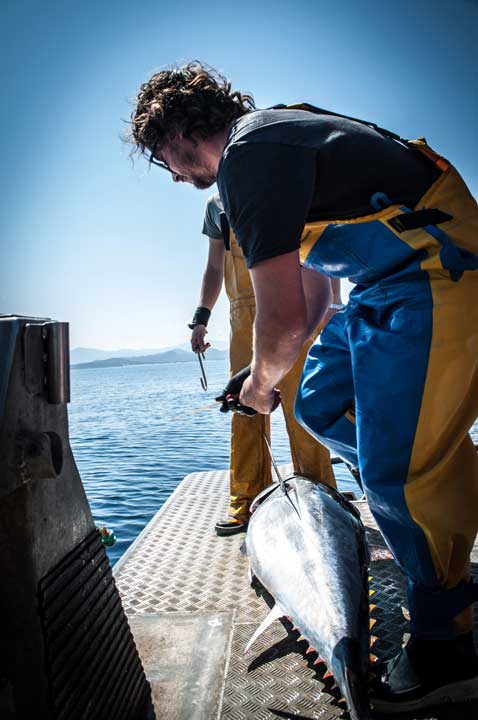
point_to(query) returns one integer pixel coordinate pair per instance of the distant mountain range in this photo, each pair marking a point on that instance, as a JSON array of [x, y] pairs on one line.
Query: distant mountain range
[[86, 355], [120, 358]]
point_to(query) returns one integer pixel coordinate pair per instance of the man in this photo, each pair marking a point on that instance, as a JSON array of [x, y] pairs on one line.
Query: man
[[250, 463], [393, 382]]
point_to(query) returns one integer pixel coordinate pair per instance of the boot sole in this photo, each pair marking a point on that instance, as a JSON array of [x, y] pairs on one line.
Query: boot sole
[[462, 691], [230, 531]]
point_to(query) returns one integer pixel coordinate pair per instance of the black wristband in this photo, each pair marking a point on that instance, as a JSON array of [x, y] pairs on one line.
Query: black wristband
[[201, 317]]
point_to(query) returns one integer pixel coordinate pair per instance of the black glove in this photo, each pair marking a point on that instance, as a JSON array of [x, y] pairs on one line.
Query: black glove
[[229, 398], [234, 386]]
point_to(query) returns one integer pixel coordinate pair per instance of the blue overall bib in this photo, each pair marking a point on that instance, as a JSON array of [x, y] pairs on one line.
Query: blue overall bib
[[391, 386]]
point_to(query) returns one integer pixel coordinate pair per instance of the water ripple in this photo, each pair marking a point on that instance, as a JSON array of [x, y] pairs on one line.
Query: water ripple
[[134, 439]]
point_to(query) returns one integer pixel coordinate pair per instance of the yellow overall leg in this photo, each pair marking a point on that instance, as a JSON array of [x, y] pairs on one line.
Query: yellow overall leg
[[309, 457], [250, 463]]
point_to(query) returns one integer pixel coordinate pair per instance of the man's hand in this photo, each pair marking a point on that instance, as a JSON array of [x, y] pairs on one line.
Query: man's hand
[[265, 402], [198, 345]]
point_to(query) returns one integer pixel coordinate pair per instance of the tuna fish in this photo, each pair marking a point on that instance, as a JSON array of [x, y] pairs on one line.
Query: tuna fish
[[306, 545]]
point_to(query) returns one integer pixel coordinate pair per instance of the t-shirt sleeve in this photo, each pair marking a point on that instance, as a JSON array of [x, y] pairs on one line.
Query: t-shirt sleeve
[[266, 190], [212, 218]]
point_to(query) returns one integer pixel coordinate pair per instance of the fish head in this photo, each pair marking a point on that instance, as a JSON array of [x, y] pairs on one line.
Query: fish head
[[263, 495]]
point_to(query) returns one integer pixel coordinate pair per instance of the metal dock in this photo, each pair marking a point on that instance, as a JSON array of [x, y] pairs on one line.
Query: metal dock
[[192, 610]]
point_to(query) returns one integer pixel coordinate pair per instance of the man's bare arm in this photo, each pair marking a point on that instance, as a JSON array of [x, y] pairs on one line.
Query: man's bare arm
[[213, 274], [290, 302], [336, 300], [336, 293], [318, 291], [210, 289]]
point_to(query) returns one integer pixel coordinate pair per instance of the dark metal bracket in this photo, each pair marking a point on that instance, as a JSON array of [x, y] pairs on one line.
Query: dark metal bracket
[[46, 350]]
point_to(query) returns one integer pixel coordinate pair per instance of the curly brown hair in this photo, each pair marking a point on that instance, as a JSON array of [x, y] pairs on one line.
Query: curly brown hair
[[192, 99]]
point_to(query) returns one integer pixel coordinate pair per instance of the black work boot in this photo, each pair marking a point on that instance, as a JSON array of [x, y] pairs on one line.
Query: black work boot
[[230, 526], [427, 673]]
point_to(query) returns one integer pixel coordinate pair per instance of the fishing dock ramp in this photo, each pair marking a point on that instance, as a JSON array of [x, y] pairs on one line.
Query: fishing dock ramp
[[192, 610]]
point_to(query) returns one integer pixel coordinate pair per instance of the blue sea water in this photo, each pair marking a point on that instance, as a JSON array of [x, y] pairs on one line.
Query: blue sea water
[[134, 437]]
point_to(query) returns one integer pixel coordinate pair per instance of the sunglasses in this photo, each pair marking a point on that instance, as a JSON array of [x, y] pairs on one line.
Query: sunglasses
[[159, 163]]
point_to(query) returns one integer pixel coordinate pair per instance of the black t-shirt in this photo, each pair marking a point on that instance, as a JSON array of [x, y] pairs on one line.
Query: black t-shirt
[[283, 168]]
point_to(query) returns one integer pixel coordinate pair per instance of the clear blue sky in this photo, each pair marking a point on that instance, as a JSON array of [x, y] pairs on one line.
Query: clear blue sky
[[116, 250]]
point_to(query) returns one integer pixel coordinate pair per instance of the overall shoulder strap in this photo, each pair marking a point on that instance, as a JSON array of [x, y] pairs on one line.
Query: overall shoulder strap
[[321, 111]]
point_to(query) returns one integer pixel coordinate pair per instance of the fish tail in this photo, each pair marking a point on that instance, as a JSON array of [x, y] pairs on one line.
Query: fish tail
[[355, 690]]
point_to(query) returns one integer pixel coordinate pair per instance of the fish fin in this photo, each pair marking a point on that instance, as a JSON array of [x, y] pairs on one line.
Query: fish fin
[[276, 613], [243, 549]]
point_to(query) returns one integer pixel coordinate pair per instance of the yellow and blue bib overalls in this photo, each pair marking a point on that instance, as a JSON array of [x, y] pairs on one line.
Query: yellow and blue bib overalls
[[392, 383], [250, 461]]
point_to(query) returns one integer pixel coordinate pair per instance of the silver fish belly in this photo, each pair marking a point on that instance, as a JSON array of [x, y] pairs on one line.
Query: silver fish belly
[[306, 545]]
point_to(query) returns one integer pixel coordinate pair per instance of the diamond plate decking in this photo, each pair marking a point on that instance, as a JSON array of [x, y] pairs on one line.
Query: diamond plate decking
[[178, 564]]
